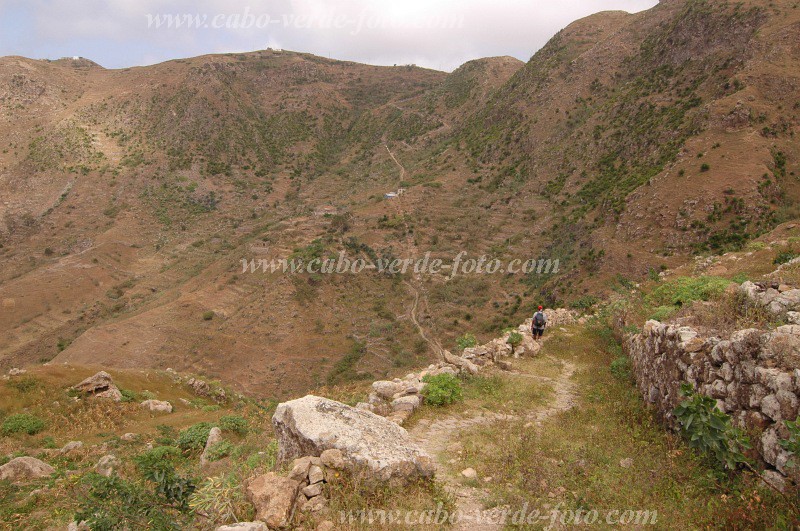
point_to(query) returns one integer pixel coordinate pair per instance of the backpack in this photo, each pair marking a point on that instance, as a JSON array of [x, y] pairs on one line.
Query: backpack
[[538, 320]]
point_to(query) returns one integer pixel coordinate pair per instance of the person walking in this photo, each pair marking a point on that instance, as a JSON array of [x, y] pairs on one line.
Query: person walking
[[538, 324]]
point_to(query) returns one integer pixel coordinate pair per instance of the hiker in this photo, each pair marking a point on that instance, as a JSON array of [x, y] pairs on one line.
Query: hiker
[[538, 323]]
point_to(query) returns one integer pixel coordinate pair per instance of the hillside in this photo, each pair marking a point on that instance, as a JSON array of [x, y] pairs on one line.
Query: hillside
[[130, 197]]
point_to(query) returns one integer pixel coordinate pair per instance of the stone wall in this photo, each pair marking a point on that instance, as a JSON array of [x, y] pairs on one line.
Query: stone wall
[[754, 375]]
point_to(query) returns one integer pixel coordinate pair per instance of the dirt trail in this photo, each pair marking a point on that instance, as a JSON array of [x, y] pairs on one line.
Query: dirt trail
[[437, 435]]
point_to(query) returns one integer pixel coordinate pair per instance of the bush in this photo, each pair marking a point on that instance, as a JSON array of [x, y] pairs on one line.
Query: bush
[[585, 303], [709, 430], [127, 395], [442, 389], [220, 450], [684, 290], [234, 424], [704, 167], [193, 438], [24, 384], [22, 423], [784, 257], [207, 316], [466, 341], [514, 339], [662, 313]]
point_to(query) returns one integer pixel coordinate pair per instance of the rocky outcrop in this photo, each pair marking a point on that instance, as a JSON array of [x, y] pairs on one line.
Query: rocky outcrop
[[754, 375], [21, 469], [371, 445], [99, 385]]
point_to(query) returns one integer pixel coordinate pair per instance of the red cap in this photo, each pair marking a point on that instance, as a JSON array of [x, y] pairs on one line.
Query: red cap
[[540, 307]]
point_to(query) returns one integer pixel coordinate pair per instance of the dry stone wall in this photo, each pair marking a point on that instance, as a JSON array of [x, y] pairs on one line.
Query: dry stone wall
[[754, 375]]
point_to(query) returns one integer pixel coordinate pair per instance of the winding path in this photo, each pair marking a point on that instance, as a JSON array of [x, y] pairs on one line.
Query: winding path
[[437, 436]]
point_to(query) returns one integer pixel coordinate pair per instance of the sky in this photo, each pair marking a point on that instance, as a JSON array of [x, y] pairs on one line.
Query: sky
[[440, 34]]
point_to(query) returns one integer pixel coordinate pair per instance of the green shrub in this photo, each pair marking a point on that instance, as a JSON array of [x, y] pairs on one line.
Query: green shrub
[[784, 257], [585, 303], [220, 450], [128, 395], [709, 430], [684, 290], [705, 167], [22, 423], [514, 339], [193, 438], [792, 444], [234, 424], [207, 316], [466, 341], [662, 313], [442, 389], [23, 384]]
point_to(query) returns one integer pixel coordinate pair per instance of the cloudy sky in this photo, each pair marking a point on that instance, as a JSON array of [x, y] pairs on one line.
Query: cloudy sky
[[439, 34]]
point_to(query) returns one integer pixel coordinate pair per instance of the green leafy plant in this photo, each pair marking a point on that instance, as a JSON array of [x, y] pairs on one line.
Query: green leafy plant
[[234, 424], [193, 438], [442, 389], [466, 341], [514, 339], [22, 423], [220, 450], [784, 257], [792, 444], [207, 316], [709, 430], [684, 290], [158, 466]]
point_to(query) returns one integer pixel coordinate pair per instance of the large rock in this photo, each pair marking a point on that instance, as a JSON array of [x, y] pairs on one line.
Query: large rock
[[157, 406], [100, 385], [107, 465], [462, 363], [22, 469], [273, 497], [370, 444]]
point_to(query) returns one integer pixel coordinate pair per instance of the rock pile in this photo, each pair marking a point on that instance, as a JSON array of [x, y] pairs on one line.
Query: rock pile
[[99, 385], [278, 499], [397, 399], [777, 298]]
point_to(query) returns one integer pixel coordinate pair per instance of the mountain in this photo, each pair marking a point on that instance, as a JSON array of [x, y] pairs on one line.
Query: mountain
[[627, 144]]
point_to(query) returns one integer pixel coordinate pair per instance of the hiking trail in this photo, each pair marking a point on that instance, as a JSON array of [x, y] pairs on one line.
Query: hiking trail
[[437, 435]]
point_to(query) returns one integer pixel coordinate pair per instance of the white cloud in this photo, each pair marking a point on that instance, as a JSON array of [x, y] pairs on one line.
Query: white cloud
[[436, 33]]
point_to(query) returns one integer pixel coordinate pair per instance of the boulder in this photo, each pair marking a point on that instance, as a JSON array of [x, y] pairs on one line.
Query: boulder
[[469, 473], [70, 446], [407, 403], [273, 497], [316, 474], [22, 469], [157, 406], [333, 458], [106, 465], [386, 390], [369, 444], [214, 438], [462, 363], [244, 526], [99, 385]]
